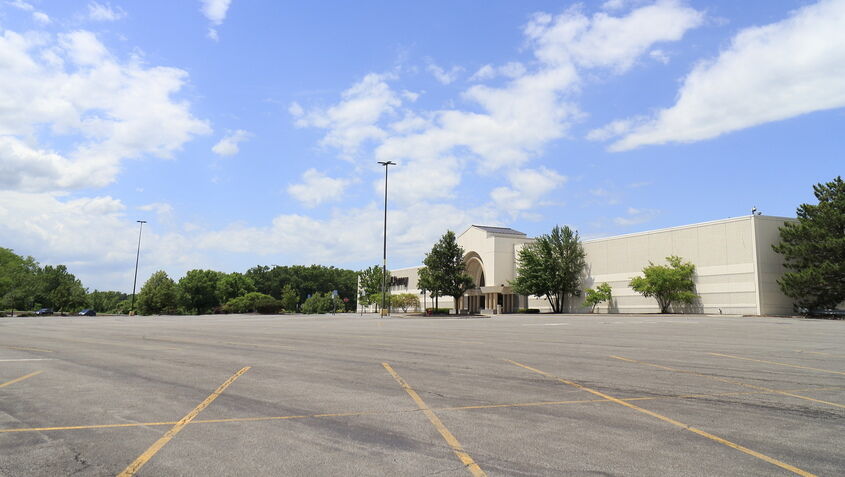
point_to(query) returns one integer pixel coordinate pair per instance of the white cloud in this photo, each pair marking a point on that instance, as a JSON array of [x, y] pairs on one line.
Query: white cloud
[[104, 12], [228, 146], [347, 234], [160, 208], [71, 87], [41, 18], [613, 5], [92, 236], [659, 55], [215, 11], [614, 129], [486, 72], [505, 126], [317, 188], [636, 217], [513, 69], [442, 75], [769, 73], [527, 187], [354, 119], [21, 5], [605, 41]]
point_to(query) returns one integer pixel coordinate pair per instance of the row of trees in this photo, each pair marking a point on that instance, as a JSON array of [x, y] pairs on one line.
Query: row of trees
[[263, 289], [25, 285]]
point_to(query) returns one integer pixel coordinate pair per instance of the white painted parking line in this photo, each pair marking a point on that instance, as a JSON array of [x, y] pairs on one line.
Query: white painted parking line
[[545, 324]]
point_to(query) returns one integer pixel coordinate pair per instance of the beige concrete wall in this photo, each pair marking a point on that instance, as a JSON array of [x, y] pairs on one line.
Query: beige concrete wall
[[722, 251], [770, 266]]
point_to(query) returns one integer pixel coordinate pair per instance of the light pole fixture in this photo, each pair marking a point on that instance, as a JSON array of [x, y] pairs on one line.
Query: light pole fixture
[[137, 256], [384, 258]]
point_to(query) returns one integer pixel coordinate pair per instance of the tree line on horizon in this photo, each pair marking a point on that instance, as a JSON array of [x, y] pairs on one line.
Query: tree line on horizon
[[26, 286]]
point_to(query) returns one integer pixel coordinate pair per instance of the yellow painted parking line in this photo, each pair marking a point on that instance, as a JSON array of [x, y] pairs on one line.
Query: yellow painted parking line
[[372, 413], [732, 381], [459, 451], [93, 426], [17, 380], [777, 363], [21, 348], [820, 352], [157, 445], [669, 420]]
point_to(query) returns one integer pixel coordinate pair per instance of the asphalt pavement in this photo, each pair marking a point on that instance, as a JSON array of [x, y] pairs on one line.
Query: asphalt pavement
[[511, 395]]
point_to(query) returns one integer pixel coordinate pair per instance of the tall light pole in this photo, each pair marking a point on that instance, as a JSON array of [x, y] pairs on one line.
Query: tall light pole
[[384, 259], [137, 256]]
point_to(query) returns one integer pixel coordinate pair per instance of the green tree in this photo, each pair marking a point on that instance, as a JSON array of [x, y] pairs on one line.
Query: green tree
[[427, 282], [404, 301], [813, 250], [158, 295], [600, 294], [18, 280], [318, 303], [198, 290], [445, 270], [60, 289], [672, 284], [253, 302], [106, 301], [290, 299], [233, 285], [370, 282], [551, 266], [305, 280]]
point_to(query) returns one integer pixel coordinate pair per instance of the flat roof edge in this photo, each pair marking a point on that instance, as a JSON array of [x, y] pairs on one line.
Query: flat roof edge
[[688, 226]]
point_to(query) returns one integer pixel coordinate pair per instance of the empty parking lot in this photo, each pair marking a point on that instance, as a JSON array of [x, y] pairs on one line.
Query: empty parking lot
[[352, 395]]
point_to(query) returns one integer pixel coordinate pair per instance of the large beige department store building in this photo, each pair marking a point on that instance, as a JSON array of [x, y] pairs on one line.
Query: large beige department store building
[[736, 268]]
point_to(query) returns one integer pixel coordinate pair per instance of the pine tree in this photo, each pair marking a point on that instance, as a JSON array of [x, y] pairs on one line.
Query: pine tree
[[814, 250]]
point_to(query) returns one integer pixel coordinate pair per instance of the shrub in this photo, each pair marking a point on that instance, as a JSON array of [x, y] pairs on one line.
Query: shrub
[[26, 314], [602, 293], [323, 303], [404, 301], [268, 305], [528, 310], [437, 311], [249, 303]]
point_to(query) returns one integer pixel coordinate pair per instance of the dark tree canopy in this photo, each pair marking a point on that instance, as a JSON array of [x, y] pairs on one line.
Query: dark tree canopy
[[198, 290], [305, 280], [60, 289], [551, 267], [18, 280], [158, 295], [813, 250]]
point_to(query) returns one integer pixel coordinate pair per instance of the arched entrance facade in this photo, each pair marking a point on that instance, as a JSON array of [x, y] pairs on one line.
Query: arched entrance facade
[[473, 300]]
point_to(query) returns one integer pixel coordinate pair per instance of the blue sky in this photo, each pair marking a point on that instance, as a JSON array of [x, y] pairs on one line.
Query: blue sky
[[247, 132]]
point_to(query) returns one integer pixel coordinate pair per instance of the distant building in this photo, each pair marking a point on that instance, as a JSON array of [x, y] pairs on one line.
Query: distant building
[[736, 268]]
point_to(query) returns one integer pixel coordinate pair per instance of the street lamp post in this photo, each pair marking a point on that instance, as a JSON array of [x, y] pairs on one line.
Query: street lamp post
[[384, 258], [137, 256]]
